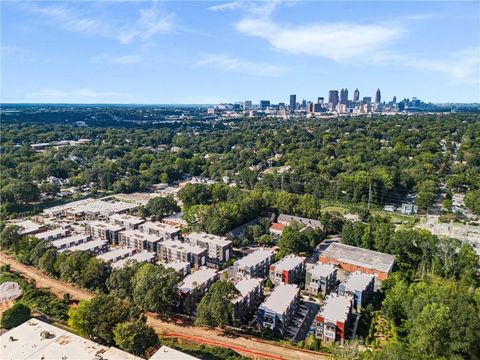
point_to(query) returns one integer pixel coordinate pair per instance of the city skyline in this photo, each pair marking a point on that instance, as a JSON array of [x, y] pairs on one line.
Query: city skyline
[[214, 52]]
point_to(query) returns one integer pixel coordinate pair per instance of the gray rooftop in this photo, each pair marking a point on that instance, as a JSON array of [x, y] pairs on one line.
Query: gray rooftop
[[361, 257], [305, 221], [280, 298], [358, 281], [322, 270], [289, 262], [336, 308]]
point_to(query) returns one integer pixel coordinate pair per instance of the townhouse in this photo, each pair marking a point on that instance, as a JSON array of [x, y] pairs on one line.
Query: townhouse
[[251, 294], [289, 270], [255, 264], [320, 279], [164, 231], [116, 255], [95, 247], [334, 318], [129, 222], [139, 240], [70, 241], [278, 310], [360, 286], [144, 256], [101, 230]]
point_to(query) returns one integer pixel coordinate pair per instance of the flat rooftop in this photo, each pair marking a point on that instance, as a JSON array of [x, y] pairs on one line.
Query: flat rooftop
[[49, 233], [139, 257], [208, 238], [88, 245], [104, 225], [280, 298], [177, 265], [358, 281], [246, 286], [114, 254], [167, 353], [336, 308], [254, 258], [288, 263], [180, 246], [27, 226], [160, 227], [59, 344], [139, 235], [361, 257], [197, 279], [177, 217], [321, 270], [128, 219], [70, 239]]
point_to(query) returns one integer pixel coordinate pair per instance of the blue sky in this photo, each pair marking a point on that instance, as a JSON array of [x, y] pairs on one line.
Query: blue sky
[[209, 52]]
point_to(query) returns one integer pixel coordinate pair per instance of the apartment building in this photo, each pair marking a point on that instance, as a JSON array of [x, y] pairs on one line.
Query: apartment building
[[116, 255], [218, 247], [351, 259], [139, 240], [144, 256], [255, 264], [251, 294], [126, 221], [164, 231], [320, 279], [360, 287], [278, 310], [288, 219], [175, 220], [289, 270], [95, 247], [183, 267], [101, 230], [195, 285], [334, 318], [70, 241], [51, 235], [172, 250]]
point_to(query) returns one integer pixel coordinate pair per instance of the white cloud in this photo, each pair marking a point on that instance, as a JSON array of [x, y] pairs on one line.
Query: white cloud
[[128, 59], [228, 63], [350, 42], [150, 22], [338, 42]]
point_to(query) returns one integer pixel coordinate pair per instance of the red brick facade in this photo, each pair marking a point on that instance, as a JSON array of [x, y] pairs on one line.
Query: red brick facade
[[381, 275]]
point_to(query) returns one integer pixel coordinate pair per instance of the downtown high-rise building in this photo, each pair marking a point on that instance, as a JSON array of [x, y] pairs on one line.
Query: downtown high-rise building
[[378, 97], [333, 97], [247, 105], [264, 104], [344, 96], [293, 102], [356, 96]]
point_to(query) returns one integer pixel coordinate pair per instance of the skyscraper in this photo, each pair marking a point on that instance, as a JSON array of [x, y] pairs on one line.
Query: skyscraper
[[264, 104], [293, 102], [356, 96], [247, 105], [344, 96], [378, 97], [333, 97], [394, 100]]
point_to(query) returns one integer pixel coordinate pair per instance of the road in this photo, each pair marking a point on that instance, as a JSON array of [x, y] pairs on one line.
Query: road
[[248, 346]]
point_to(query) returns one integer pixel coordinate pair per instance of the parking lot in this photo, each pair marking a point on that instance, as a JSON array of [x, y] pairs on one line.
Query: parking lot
[[298, 329]]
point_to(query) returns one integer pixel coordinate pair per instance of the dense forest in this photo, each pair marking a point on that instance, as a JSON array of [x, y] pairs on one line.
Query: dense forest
[[379, 160]]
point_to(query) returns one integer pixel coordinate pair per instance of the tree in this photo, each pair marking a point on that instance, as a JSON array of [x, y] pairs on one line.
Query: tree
[[472, 201], [9, 236], [96, 318], [16, 315], [120, 281], [94, 274], [293, 241], [135, 337], [160, 207], [215, 308], [47, 262], [195, 194], [49, 188], [155, 288], [72, 266]]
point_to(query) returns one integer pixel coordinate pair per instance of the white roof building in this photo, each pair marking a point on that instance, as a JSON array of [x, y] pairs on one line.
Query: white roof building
[[115, 255], [336, 308], [129, 221], [183, 247], [51, 234], [358, 281], [69, 241], [281, 298], [254, 258], [175, 219], [89, 246], [288, 263], [35, 339], [144, 256], [167, 353], [27, 227], [321, 270], [245, 287], [197, 279]]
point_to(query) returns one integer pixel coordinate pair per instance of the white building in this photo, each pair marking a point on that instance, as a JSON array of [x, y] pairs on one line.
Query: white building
[[96, 247], [69, 241], [126, 221], [116, 255], [144, 256], [198, 281], [218, 246], [255, 264], [165, 231]]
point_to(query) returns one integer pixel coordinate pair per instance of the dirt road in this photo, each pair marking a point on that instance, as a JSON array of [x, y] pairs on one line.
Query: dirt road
[[249, 346]]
